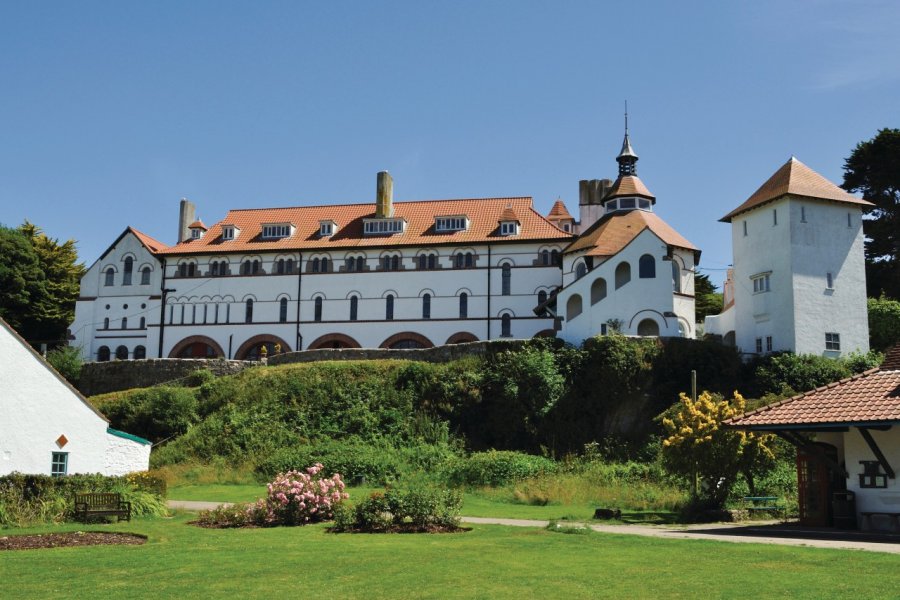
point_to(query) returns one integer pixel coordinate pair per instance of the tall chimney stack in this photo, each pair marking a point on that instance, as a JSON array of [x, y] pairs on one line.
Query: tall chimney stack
[[384, 198], [186, 215]]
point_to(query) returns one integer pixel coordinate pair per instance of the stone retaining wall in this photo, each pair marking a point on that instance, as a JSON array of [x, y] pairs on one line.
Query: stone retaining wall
[[112, 376]]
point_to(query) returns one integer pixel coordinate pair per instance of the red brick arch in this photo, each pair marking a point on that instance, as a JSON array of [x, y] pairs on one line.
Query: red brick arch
[[258, 339], [333, 340], [407, 335], [196, 339], [461, 337]]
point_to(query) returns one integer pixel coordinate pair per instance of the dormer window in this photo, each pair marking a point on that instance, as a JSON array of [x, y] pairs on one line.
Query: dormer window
[[229, 232], [327, 228], [196, 234], [451, 223], [509, 228], [197, 229], [383, 226], [277, 230]]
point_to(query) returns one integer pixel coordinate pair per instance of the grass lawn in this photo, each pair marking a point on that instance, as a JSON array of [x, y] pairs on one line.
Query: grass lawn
[[488, 562], [475, 504]]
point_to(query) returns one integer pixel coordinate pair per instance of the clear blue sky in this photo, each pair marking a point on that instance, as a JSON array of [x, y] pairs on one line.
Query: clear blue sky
[[110, 112]]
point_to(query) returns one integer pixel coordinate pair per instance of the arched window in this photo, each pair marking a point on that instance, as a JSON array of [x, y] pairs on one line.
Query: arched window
[[143, 323], [182, 270], [470, 260], [360, 264], [505, 326], [646, 267], [214, 269], [432, 261], [103, 353], [318, 309], [422, 262], [279, 268], [289, 265], [248, 311], [316, 265], [598, 290], [245, 268], [129, 267], [573, 307], [124, 322], [395, 262], [325, 265], [191, 269], [426, 306], [542, 297], [122, 353], [464, 306], [351, 264], [389, 307], [676, 277], [506, 280], [545, 258], [623, 274], [459, 261], [106, 323], [282, 310], [145, 276], [554, 257], [354, 307], [580, 270], [140, 353], [255, 268], [110, 277], [648, 327]]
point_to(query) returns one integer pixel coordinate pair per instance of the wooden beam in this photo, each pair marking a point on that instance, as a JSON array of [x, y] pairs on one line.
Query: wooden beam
[[876, 451]]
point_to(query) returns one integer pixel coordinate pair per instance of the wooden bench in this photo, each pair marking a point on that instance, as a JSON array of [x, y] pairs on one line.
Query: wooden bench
[[867, 519], [101, 505], [763, 504]]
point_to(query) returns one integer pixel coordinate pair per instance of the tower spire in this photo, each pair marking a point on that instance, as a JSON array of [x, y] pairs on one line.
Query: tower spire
[[627, 159]]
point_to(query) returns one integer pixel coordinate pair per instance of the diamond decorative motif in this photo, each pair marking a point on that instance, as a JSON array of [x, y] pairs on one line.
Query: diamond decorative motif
[[62, 441]]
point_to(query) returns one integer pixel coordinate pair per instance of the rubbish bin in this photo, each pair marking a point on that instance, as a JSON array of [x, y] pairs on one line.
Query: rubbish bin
[[843, 507]]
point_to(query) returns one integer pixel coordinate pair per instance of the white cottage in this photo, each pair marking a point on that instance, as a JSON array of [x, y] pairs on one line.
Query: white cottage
[[848, 447], [47, 426], [799, 279]]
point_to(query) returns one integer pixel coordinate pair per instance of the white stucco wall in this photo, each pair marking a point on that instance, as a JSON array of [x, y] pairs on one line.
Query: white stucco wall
[[811, 238], [873, 499], [98, 302], [124, 456], [37, 407], [639, 299]]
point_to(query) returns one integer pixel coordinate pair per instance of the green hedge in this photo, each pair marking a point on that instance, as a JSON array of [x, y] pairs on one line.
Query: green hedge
[[494, 468]]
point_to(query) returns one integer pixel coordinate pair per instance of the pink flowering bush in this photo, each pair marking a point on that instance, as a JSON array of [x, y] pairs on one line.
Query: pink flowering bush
[[298, 498]]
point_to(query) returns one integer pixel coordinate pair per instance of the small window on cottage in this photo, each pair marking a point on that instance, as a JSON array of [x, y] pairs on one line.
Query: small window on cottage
[[832, 341], [59, 464], [761, 283]]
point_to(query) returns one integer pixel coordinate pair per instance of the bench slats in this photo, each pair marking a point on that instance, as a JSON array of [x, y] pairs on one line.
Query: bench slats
[[101, 504]]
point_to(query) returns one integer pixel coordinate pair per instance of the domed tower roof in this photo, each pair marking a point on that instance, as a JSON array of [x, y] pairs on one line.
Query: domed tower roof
[[628, 183]]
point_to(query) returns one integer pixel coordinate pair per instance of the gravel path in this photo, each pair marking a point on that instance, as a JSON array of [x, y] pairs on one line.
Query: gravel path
[[758, 533]]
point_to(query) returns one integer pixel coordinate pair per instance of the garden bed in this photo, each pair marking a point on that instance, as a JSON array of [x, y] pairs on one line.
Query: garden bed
[[405, 528], [65, 540]]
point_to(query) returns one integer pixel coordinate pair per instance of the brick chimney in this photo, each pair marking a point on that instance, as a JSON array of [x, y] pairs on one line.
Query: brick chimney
[[384, 198], [186, 215]]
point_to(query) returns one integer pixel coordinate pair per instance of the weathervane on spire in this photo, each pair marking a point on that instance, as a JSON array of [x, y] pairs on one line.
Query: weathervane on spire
[[627, 158]]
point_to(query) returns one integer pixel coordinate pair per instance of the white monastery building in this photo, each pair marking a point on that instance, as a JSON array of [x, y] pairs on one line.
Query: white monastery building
[[392, 275], [47, 427], [798, 281]]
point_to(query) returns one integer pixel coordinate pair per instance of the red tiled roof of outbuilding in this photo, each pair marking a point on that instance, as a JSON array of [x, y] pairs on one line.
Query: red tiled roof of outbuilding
[[870, 397], [616, 230]]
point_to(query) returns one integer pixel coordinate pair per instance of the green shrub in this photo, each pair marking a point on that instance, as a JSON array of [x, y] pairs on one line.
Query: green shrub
[[884, 322], [225, 516], [156, 414], [783, 372], [495, 468], [67, 361], [418, 508]]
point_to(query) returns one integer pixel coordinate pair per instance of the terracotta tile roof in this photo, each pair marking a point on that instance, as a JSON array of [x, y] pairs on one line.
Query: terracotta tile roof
[[615, 230], [154, 246], [508, 214], [629, 185], [198, 224], [795, 179], [873, 396], [559, 211], [483, 215]]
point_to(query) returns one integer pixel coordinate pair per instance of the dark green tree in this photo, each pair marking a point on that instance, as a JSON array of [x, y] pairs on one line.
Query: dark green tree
[[884, 323], [53, 311], [22, 282], [873, 169], [707, 300]]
